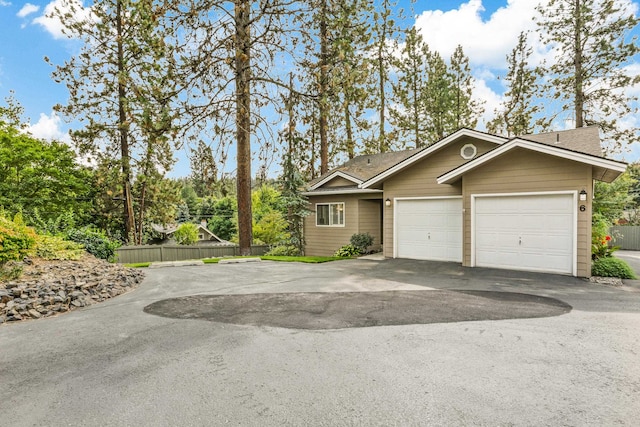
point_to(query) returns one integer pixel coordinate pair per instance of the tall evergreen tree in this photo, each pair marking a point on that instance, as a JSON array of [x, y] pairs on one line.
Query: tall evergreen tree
[[592, 47], [516, 114], [204, 170], [384, 31], [122, 86], [410, 111], [466, 110], [440, 99]]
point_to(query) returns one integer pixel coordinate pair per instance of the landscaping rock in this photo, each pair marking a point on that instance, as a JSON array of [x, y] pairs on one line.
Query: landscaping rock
[[47, 288]]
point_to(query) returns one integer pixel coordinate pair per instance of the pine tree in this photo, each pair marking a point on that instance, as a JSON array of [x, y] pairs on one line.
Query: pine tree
[[466, 110], [409, 114], [588, 76], [123, 87], [516, 115], [440, 100], [384, 31], [204, 171]]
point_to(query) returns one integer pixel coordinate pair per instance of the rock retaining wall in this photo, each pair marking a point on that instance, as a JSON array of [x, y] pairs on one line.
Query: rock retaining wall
[[47, 288]]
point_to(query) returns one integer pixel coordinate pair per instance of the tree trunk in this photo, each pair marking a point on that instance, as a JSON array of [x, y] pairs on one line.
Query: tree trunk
[[243, 123], [382, 145], [123, 130], [351, 149], [324, 75], [579, 89]]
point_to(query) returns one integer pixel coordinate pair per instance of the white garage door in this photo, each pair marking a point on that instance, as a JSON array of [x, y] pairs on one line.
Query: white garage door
[[429, 229], [534, 233]]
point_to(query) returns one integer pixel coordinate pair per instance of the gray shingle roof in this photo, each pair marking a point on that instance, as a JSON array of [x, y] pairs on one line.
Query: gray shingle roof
[[583, 140], [368, 165]]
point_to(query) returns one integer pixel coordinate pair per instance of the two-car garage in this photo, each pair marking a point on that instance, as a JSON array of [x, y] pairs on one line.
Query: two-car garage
[[534, 232]]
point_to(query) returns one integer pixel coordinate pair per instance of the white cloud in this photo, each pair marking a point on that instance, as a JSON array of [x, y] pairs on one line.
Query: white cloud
[[48, 128], [5, 3], [483, 93], [27, 9], [53, 25], [484, 42]]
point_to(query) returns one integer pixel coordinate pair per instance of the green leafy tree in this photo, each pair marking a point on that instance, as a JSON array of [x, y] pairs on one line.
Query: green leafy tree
[[41, 179], [223, 222], [592, 44], [186, 234], [271, 229], [611, 199], [515, 116]]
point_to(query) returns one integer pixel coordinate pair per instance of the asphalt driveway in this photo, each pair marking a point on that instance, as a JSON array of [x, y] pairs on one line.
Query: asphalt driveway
[[115, 364]]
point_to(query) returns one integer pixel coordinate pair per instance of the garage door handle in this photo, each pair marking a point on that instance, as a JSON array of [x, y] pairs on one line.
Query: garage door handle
[[519, 240], [429, 236]]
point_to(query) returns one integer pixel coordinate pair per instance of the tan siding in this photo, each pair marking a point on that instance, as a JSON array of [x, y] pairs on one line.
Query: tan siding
[[339, 182], [419, 180], [525, 171], [370, 220], [324, 241]]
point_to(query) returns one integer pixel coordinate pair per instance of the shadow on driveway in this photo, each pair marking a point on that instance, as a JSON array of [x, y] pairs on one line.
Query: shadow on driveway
[[358, 309]]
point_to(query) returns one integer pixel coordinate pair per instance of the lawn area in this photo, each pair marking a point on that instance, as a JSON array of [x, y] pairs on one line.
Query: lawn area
[[307, 259]]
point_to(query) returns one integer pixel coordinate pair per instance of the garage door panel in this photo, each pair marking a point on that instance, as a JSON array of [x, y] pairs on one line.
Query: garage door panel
[[525, 232], [429, 229]]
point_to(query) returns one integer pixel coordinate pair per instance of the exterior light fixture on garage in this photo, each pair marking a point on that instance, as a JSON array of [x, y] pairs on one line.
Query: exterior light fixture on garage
[[583, 195], [387, 202]]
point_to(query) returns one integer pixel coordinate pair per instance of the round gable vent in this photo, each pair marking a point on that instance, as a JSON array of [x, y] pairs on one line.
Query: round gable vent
[[468, 151]]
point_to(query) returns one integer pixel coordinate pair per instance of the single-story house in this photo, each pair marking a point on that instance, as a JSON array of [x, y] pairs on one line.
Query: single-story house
[[474, 198], [205, 236]]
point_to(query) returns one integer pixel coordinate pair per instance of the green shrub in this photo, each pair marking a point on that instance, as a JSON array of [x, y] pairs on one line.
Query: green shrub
[[362, 241], [16, 239], [10, 271], [612, 267], [186, 234], [283, 250], [347, 251], [600, 239], [55, 247], [95, 242]]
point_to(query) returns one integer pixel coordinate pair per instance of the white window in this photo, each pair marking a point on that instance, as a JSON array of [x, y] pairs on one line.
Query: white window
[[330, 214]]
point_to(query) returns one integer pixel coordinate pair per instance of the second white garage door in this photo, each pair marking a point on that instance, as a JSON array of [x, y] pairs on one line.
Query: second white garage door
[[526, 232], [429, 229]]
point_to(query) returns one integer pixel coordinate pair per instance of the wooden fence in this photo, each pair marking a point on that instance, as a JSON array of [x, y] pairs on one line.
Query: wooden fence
[[152, 253], [626, 236]]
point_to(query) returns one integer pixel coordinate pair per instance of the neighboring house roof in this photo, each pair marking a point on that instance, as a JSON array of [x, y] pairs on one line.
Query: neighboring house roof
[[603, 169], [583, 140], [171, 228]]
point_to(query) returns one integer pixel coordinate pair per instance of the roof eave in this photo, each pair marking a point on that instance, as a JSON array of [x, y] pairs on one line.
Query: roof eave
[[432, 148], [338, 192], [596, 162], [333, 175]]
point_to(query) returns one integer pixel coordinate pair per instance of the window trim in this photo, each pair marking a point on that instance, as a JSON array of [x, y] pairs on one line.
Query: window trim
[[330, 216]]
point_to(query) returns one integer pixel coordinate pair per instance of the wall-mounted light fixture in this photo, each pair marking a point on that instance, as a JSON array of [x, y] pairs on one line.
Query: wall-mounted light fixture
[[387, 202], [583, 195]]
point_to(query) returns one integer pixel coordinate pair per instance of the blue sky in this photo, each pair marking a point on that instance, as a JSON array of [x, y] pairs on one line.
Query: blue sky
[[487, 30]]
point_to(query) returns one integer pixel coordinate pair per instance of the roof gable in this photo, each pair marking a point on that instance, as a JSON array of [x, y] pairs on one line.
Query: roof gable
[[333, 175], [604, 169], [361, 168], [421, 154]]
